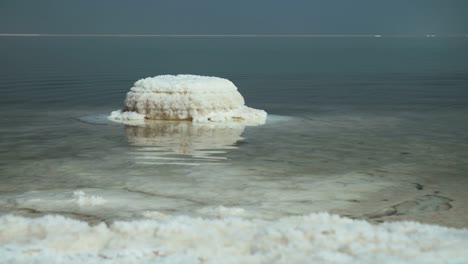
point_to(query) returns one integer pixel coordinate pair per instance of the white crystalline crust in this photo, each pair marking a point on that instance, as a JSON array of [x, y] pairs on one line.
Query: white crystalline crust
[[82, 199], [186, 97], [315, 238], [127, 116]]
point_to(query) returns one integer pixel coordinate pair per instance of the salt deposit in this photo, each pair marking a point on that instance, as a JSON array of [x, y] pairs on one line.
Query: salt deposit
[[186, 97], [314, 238], [126, 116], [82, 199]]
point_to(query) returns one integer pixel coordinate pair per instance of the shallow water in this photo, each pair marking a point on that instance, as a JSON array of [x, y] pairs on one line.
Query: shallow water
[[371, 129]]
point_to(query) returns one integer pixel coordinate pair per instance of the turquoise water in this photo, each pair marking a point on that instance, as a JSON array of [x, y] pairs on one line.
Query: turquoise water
[[356, 126]]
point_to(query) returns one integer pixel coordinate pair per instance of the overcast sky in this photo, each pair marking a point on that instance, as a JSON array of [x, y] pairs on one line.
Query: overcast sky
[[235, 16]]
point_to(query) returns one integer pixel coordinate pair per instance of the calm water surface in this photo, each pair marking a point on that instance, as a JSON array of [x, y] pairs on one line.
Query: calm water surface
[[368, 128]]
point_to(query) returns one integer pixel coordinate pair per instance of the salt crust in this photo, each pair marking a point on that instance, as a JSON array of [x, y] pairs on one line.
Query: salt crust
[[82, 199], [314, 238], [186, 97]]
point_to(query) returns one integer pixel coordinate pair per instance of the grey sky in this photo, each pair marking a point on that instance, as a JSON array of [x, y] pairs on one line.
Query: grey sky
[[235, 16]]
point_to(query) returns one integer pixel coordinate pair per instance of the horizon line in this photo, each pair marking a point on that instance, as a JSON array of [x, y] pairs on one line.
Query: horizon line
[[230, 35]]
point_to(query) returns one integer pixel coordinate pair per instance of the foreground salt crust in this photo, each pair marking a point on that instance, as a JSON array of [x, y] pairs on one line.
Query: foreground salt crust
[[186, 97], [315, 238]]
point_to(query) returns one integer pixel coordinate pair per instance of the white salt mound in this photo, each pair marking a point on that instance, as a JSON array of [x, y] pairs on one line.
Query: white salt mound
[[186, 97], [314, 238]]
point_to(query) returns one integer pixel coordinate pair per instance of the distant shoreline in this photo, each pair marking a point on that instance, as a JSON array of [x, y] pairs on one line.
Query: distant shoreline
[[233, 35]]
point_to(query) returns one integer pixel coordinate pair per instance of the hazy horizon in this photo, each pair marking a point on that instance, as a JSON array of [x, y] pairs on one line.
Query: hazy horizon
[[209, 17], [235, 35]]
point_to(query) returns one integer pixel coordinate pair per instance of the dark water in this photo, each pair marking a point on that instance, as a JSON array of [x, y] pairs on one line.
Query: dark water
[[383, 116], [330, 73]]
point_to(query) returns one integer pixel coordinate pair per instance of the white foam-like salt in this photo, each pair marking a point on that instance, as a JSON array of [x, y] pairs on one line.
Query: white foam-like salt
[[314, 238], [186, 97], [82, 199], [126, 116]]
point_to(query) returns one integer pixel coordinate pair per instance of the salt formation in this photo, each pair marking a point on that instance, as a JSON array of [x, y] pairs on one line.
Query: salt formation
[[186, 97], [314, 238]]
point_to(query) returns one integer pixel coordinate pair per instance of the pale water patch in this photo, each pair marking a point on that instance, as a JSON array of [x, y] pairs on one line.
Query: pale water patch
[[96, 204], [349, 166]]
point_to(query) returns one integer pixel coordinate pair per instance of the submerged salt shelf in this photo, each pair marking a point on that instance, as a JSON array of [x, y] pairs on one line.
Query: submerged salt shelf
[[314, 238], [186, 97]]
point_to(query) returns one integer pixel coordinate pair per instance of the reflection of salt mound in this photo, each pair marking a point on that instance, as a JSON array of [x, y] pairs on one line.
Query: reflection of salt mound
[[315, 238], [167, 140], [184, 137], [186, 97]]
